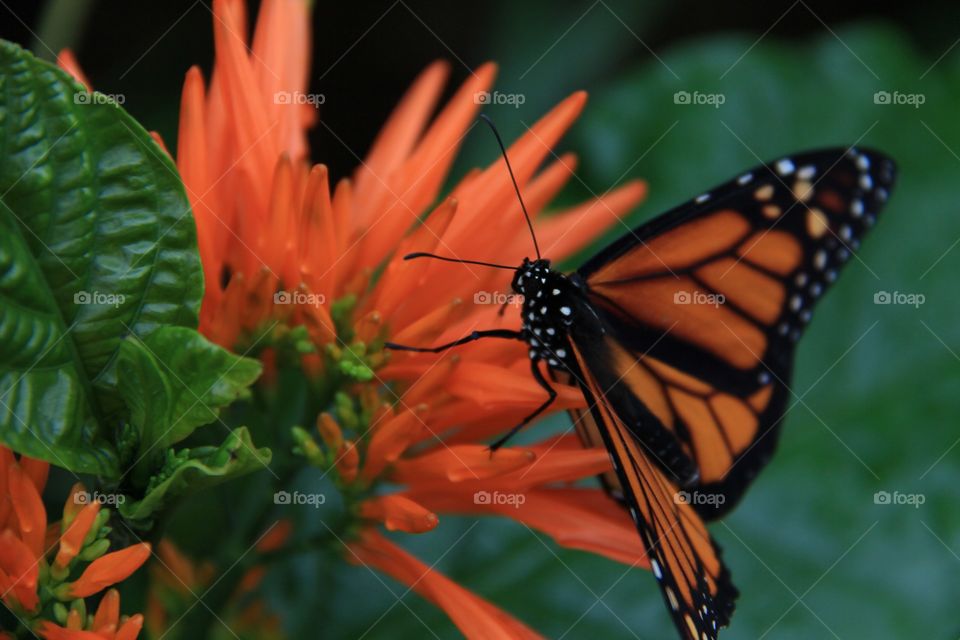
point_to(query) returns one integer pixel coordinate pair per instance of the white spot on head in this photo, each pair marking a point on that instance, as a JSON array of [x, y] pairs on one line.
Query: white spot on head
[[785, 167]]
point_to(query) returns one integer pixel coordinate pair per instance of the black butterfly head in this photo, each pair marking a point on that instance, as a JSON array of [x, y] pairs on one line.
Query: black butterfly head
[[531, 276]]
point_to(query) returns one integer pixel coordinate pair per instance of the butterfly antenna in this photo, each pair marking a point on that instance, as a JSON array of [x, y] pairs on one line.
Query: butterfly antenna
[[421, 254], [503, 151]]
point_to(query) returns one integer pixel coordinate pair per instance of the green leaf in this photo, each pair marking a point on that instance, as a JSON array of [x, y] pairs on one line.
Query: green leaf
[[96, 240], [175, 380], [188, 471]]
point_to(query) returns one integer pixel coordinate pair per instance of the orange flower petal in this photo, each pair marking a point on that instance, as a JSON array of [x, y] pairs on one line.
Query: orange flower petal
[[565, 233], [460, 463], [390, 439], [577, 518], [21, 568], [399, 513], [72, 540], [31, 514], [36, 470], [348, 461], [476, 618], [130, 628], [110, 569], [68, 62], [273, 539], [50, 631], [108, 612], [74, 503]]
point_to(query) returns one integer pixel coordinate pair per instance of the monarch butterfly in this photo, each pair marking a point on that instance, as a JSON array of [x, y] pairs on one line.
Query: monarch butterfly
[[681, 336]]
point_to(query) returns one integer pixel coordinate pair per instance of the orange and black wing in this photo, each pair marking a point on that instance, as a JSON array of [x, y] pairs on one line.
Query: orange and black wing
[[703, 305], [685, 560]]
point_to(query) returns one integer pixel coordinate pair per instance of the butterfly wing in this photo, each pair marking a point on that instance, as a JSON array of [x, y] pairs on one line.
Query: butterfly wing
[[686, 562], [705, 303]]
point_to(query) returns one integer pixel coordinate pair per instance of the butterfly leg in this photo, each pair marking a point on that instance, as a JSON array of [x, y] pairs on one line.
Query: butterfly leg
[[534, 367], [476, 335]]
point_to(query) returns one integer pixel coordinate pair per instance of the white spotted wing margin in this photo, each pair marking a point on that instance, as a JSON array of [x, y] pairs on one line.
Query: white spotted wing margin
[[762, 250], [685, 560]]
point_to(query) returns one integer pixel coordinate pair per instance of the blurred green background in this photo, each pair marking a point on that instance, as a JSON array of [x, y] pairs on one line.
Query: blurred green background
[[877, 385]]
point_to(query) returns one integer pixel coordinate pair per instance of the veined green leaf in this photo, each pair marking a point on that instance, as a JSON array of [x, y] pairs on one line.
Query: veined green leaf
[[96, 241]]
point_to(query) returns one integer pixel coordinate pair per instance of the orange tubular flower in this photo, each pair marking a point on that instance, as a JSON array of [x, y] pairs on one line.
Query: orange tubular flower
[[26, 547], [270, 224]]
